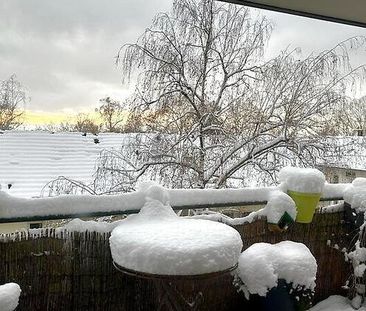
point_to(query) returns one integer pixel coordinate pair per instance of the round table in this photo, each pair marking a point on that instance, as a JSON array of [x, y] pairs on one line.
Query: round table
[[171, 297]]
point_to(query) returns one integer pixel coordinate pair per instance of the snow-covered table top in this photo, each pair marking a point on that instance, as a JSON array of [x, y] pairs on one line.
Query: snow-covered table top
[[157, 241]]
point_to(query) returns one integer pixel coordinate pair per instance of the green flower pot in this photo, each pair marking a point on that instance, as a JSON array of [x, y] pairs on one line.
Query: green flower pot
[[306, 204]]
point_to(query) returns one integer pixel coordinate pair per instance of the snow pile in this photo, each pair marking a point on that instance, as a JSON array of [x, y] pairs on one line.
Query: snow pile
[[308, 180], [157, 241], [277, 205], [262, 264], [78, 225], [9, 296], [355, 194], [335, 303]]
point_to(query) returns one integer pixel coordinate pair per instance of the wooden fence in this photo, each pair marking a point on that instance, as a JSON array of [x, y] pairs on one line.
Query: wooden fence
[[74, 271]]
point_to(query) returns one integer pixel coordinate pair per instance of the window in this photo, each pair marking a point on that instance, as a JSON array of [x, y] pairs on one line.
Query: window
[[35, 225]]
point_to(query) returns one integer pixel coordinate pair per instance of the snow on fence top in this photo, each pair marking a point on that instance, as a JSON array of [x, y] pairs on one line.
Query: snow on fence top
[[355, 194], [71, 206]]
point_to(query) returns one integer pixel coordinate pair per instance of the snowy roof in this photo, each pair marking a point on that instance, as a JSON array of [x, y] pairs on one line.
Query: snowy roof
[[31, 159], [346, 152]]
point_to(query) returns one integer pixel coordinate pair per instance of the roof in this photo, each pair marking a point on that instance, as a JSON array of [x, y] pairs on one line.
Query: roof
[[31, 159], [351, 12]]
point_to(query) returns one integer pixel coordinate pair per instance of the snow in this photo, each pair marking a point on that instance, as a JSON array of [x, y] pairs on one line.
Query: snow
[[9, 296], [308, 180], [331, 191], [355, 194], [277, 205], [335, 303], [78, 225], [335, 208], [11, 206], [262, 264], [31, 159], [157, 241], [67, 204]]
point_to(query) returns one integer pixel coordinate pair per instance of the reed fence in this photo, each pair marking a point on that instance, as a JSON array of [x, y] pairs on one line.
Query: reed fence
[[74, 271]]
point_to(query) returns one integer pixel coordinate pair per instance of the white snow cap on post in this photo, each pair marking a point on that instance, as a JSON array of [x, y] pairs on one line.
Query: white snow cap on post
[[298, 179], [262, 264], [355, 194], [9, 296], [157, 241]]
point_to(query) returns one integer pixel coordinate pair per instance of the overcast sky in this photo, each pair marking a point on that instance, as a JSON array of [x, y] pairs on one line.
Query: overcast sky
[[63, 51]]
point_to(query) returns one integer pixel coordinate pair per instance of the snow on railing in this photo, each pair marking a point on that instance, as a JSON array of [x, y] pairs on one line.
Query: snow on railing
[[14, 209]]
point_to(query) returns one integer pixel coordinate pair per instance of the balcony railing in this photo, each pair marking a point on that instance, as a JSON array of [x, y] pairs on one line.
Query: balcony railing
[[13, 209]]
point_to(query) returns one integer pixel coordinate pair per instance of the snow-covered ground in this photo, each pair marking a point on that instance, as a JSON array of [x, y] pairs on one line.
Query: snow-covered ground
[[335, 303]]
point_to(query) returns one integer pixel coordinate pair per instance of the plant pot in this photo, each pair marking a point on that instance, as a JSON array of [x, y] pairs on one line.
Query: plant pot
[[279, 298], [306, 204], [283, 224]]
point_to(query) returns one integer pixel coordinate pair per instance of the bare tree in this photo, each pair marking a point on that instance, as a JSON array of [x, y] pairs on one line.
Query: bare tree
[[84, 123], [353, 117], [221, 111], [214, 112], [113, 114], [12, 96], [347, 118]]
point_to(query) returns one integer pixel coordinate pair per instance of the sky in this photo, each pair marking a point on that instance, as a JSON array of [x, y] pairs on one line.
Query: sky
[[63, 52]]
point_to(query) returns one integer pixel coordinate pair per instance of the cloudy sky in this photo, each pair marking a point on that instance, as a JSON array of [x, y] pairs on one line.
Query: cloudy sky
[[63, 51]]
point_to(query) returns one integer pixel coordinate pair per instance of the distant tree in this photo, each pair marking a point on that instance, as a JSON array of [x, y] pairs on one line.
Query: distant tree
[[354, 116], [12, 97], [84, 123], [112, 114], [345, 119]]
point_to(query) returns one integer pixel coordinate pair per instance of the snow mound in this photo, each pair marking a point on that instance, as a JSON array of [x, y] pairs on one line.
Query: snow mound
[[157, 241], [335, 303], [262, 264], [277, 205], [355, 194], [9, 296], [302, 179], [78, 225]]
